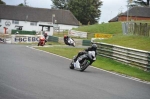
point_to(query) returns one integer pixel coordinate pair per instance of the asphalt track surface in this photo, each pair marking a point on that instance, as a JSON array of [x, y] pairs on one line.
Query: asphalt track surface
[[26, 73]]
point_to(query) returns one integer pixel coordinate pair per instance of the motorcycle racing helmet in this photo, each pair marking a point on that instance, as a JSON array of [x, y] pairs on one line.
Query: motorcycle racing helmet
[[65, 36], [42, 38], [94, 46]]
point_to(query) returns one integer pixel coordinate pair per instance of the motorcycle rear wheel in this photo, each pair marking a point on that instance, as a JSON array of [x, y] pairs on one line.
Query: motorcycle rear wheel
[[84, 65]]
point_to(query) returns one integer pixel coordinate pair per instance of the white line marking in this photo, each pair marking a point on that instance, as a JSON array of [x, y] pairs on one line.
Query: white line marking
[[121, 75]]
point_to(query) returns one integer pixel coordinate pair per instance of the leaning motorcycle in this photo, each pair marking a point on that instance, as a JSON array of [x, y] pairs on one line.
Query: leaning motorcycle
[[83, 61], [69, 41]]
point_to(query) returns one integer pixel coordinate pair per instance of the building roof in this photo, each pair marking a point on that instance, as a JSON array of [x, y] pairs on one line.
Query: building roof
[[138, 12], [22, 13], [114, 19], [135, 11]]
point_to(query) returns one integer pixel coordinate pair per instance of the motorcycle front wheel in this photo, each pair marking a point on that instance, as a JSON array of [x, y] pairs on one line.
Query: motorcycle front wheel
[[71, 65]]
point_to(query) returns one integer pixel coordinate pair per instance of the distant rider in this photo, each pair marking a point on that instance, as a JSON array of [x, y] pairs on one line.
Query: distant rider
[[45, 35], [66, 39], [41, 39]]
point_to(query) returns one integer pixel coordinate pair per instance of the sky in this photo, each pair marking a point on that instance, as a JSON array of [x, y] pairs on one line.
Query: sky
[[109, 9]]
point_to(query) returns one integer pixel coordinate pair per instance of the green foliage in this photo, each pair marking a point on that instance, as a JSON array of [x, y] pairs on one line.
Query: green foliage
[[21, 4], [86, 11], [60, 4], [2, 2], [111, 28]]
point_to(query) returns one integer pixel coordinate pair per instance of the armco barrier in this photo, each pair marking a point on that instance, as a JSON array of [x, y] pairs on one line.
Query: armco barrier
[[129, 56], [53, 38], [86, 42], [23, 32], [77, 41]]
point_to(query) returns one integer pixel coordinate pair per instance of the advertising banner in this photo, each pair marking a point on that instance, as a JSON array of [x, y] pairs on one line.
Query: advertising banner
[[25, 38], [77, 34], [99, 35]]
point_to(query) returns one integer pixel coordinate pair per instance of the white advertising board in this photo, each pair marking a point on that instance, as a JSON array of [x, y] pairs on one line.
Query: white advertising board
[[25, 38], [77, 34]]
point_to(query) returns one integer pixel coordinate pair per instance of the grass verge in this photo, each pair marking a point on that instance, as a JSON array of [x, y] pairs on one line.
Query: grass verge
[[131, 41], [101, 62]]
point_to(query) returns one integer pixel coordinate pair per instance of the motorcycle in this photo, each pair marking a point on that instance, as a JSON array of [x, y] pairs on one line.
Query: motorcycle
[[83, 61], [1, 40], [69, 41], [41, 41]]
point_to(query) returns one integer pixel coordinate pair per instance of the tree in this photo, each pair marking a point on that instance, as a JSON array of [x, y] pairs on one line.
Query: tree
[[60, 4], [2, 2], [21, 4], [86, 11]]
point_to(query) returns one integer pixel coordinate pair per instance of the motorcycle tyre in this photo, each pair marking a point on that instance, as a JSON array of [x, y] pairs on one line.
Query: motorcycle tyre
[[84, 66], [71, 65]]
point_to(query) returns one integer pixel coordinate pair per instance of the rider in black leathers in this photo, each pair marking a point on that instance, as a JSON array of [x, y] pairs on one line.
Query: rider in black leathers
[[91, 48], [66, 39]]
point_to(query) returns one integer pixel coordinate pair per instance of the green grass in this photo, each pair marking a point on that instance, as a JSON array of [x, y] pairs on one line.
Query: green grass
[[136, 42], [111, 28], [111, 65], [115, 28], [101, 62], [66, 52]]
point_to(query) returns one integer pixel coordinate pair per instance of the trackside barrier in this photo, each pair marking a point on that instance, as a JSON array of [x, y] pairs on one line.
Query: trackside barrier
[[128, 56], [23, 32], [53, 38], [86, 42]]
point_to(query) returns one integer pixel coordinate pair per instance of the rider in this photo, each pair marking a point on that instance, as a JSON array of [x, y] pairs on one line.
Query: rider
[[66, 39], [91, 48], [41, 39], [45, 35]]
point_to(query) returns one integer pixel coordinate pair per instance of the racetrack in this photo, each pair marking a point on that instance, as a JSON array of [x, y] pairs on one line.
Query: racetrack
[[26, 73]]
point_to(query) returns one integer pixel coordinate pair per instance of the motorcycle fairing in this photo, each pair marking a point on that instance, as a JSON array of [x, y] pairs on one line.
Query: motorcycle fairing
[[77, 65]]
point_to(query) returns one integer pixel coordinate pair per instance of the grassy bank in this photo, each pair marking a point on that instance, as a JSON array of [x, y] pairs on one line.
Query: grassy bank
[[115, 28], [136, 42], [101, 62], [110, 28]]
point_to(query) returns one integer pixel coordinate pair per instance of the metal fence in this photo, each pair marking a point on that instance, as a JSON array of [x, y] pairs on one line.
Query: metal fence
[[136, 28], [128, 56]]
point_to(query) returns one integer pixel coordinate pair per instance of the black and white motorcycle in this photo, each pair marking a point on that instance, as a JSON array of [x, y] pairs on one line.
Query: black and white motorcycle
[[83, 61], [69, 41]]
